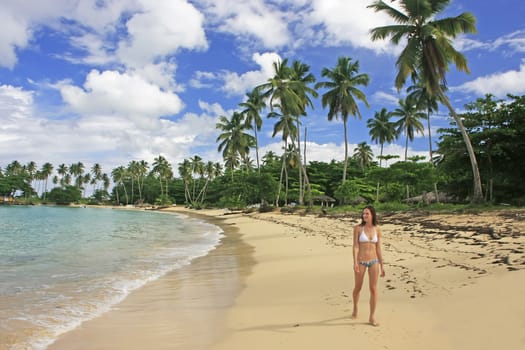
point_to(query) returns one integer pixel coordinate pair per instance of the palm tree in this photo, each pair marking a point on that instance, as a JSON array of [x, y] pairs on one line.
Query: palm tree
[[252, 108], [133, 170], [300, 73], [162, 168], [77, 171], [269, 158], [96, 172], [185, 173], [287, 128], [46, 171], [342, 93], [234, 140], [363, 153], [142, 171], [426, 102], [382, 129], [119, 174], [62, 170], [197, 168], [288, 91], [428, 54], [408, 123]]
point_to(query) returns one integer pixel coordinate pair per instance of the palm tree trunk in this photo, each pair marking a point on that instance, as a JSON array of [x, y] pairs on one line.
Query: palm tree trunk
[[346, 151], [299, 158], [256, 147], [430, 152], [477, 196]]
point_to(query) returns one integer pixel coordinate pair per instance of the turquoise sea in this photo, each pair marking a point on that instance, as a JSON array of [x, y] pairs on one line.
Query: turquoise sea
[[61, 266]]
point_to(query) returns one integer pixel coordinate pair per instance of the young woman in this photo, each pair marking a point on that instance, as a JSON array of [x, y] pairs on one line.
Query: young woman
[[367, 256]]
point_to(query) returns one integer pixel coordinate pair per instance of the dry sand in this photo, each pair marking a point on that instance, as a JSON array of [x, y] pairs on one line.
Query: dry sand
[[453, 282]]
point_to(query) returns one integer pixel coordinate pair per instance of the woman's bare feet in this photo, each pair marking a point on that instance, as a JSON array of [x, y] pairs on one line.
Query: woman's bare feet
[[374, 323]]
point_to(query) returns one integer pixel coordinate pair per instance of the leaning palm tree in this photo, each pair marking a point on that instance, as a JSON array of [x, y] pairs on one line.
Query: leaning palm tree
[[253, 106], [342, 85], [428, 54], [409, 121], [382, 129]]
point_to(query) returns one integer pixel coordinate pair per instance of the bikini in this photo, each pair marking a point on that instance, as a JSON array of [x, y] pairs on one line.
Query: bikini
[[363, 238]]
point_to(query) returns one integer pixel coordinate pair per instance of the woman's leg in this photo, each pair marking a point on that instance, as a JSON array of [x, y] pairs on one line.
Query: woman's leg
[[373, 276], [358, 278]]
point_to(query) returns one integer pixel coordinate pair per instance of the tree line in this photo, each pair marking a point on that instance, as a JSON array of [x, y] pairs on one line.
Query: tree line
[[496, 127]]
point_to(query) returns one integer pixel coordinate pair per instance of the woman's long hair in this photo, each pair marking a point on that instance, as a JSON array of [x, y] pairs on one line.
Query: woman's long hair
[[374, 215]]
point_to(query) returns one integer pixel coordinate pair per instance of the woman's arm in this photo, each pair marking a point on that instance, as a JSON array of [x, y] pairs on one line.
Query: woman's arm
[[379, 252], [356, 247]]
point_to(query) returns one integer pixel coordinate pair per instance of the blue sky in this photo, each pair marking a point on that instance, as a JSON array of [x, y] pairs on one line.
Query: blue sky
[[113, 81]]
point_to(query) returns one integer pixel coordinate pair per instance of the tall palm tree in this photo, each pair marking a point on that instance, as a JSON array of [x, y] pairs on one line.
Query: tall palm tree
[[342, 85], [287, 128], [428, 54], [300, 73], [62, 170], [162, 168], [288, 91], [119, 175], [253, 106], [185, 173], [382, 129], [96, 172], [425, 102], [409, 121], [47, 170], [77, 171], [234, 141], [142, 171], [363, 153]]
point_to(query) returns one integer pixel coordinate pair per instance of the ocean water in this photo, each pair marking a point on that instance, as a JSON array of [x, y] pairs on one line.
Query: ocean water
[[61, 266]]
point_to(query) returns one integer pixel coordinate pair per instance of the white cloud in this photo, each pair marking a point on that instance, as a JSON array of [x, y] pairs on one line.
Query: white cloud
[[498, 84], [382, 97], [346, 22], [515, 40], [160, 29], [14, 34], [121, 94], [239, 84], [253, 18], [108, 139]]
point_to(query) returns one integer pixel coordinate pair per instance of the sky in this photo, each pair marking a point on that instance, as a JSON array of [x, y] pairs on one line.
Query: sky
[[111, 81]]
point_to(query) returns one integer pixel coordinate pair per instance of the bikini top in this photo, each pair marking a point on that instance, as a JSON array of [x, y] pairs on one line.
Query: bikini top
[[363, 238]]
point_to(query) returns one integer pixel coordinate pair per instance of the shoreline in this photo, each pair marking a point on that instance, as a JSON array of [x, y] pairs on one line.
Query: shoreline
[[446, 287], [184, 309]]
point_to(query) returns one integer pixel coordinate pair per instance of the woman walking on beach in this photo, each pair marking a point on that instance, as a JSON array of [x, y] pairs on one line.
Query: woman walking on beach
[[367, 256]]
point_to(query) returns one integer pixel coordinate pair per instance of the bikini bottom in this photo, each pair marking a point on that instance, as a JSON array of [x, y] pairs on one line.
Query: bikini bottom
[[369, 263]]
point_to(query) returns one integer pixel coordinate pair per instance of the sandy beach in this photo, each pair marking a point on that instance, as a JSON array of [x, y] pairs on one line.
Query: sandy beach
[[281, 281]]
